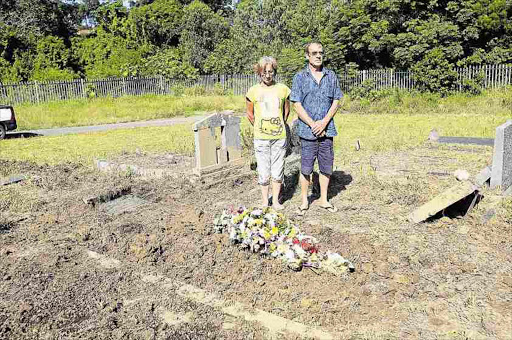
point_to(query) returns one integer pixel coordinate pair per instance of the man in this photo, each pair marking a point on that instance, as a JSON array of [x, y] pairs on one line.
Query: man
[[316, 95]]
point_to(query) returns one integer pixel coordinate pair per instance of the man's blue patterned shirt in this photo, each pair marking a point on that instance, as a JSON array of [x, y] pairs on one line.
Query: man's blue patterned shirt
[[315, 98]]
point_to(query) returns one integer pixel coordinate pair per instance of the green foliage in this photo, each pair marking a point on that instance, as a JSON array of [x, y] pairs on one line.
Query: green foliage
[[202, 30], [473, 85], [109, 55], [53, 74], [168, 63], [184, 38], [434, 73], [8, 73], [158, 23], [52, 60], [290, 61]]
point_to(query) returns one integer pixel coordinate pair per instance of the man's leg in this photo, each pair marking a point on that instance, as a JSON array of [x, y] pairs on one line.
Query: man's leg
[[325, 164], [309, 151], [324, 185], [304, 186]]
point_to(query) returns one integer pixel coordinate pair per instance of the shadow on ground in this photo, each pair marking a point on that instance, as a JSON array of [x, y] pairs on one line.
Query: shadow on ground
[[338, 183], [21, 135]]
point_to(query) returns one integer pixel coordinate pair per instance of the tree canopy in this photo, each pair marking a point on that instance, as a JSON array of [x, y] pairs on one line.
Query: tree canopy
[[55, 39]]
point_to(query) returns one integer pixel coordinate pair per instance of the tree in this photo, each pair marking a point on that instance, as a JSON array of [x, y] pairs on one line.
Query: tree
[[202, 30], [158, 23]]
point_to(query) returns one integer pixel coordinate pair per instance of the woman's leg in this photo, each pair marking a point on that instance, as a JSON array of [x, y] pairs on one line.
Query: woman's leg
[[277, 152], [262, 153]]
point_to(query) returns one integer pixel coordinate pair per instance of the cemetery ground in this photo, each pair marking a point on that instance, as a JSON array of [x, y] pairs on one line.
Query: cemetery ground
[[142, 260]]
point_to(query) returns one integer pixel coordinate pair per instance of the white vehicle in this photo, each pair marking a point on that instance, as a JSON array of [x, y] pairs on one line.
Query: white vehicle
[[7, 120]]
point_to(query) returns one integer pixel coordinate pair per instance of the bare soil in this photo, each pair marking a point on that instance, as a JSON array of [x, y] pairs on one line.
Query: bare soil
[[152, 267]]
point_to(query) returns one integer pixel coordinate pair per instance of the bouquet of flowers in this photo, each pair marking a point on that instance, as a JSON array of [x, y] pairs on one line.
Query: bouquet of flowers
[[268, 232]]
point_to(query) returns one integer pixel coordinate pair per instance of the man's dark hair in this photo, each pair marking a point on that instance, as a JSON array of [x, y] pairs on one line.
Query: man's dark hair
[[306, 48]]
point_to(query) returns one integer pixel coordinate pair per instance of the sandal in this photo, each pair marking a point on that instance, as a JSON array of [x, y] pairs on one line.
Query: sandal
[[302, 211], [330, 208]]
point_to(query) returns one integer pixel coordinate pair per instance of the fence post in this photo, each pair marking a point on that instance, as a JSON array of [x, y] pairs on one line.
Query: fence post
[[162, 84], [82, 88], [124, 86], [37, 90]]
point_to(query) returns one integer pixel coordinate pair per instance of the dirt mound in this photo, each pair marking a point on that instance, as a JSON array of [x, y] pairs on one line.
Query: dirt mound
[[70, 269]]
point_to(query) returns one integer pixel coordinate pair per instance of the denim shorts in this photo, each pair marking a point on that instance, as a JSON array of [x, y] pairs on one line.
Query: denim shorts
[[321, 148], [270, 157]]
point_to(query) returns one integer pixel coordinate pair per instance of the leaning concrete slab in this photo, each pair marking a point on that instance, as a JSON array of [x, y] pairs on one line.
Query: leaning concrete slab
[[209, 157], [502, 158], [443, 201]]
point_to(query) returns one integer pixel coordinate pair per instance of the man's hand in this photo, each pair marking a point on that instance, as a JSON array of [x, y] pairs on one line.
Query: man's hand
[[318, 127]]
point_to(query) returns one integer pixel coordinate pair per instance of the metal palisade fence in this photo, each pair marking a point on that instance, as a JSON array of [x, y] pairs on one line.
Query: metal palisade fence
[[489, 76]]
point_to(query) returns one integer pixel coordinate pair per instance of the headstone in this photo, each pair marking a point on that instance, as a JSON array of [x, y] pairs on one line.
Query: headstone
[[443, 201], [501, 175], [209, 158]]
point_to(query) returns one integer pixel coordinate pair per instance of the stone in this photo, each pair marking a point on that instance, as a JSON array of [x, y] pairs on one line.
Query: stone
[[443, 201], [12, 180], [461, 175], [208, 156], [501, 175], [108, 196], [433, 135], [484, 176], [487, 216], [124, 204]]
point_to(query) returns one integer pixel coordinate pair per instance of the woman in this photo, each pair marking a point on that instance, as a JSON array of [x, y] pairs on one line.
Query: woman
[[268, 107]]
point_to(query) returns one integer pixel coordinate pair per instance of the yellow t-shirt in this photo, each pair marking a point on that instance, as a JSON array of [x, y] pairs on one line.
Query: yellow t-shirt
[[268, 110]]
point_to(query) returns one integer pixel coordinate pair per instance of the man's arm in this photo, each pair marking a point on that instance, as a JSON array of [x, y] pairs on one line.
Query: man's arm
[[249, 110], [320, 125], [303, 115]]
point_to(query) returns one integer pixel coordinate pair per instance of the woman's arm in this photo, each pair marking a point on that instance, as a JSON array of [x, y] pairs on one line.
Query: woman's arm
[[286, 109], [249, 110]]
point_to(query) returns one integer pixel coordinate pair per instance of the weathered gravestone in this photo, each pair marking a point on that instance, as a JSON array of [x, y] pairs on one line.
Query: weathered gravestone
[[501, 175], [209, 157]]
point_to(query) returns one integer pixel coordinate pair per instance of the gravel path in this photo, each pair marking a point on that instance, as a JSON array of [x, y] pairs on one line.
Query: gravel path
[[96, 128]]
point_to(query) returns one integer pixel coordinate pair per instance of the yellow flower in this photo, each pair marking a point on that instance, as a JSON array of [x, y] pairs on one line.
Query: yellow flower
[[292, 232]]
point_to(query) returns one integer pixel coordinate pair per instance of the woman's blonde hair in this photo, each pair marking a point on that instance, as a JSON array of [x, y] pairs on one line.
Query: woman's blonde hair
[[260, 66]]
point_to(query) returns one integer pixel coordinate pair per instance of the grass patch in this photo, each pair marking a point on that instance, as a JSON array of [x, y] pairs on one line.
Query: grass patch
[[83, 148], [115, 110], [387, 132], [386, 125]]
